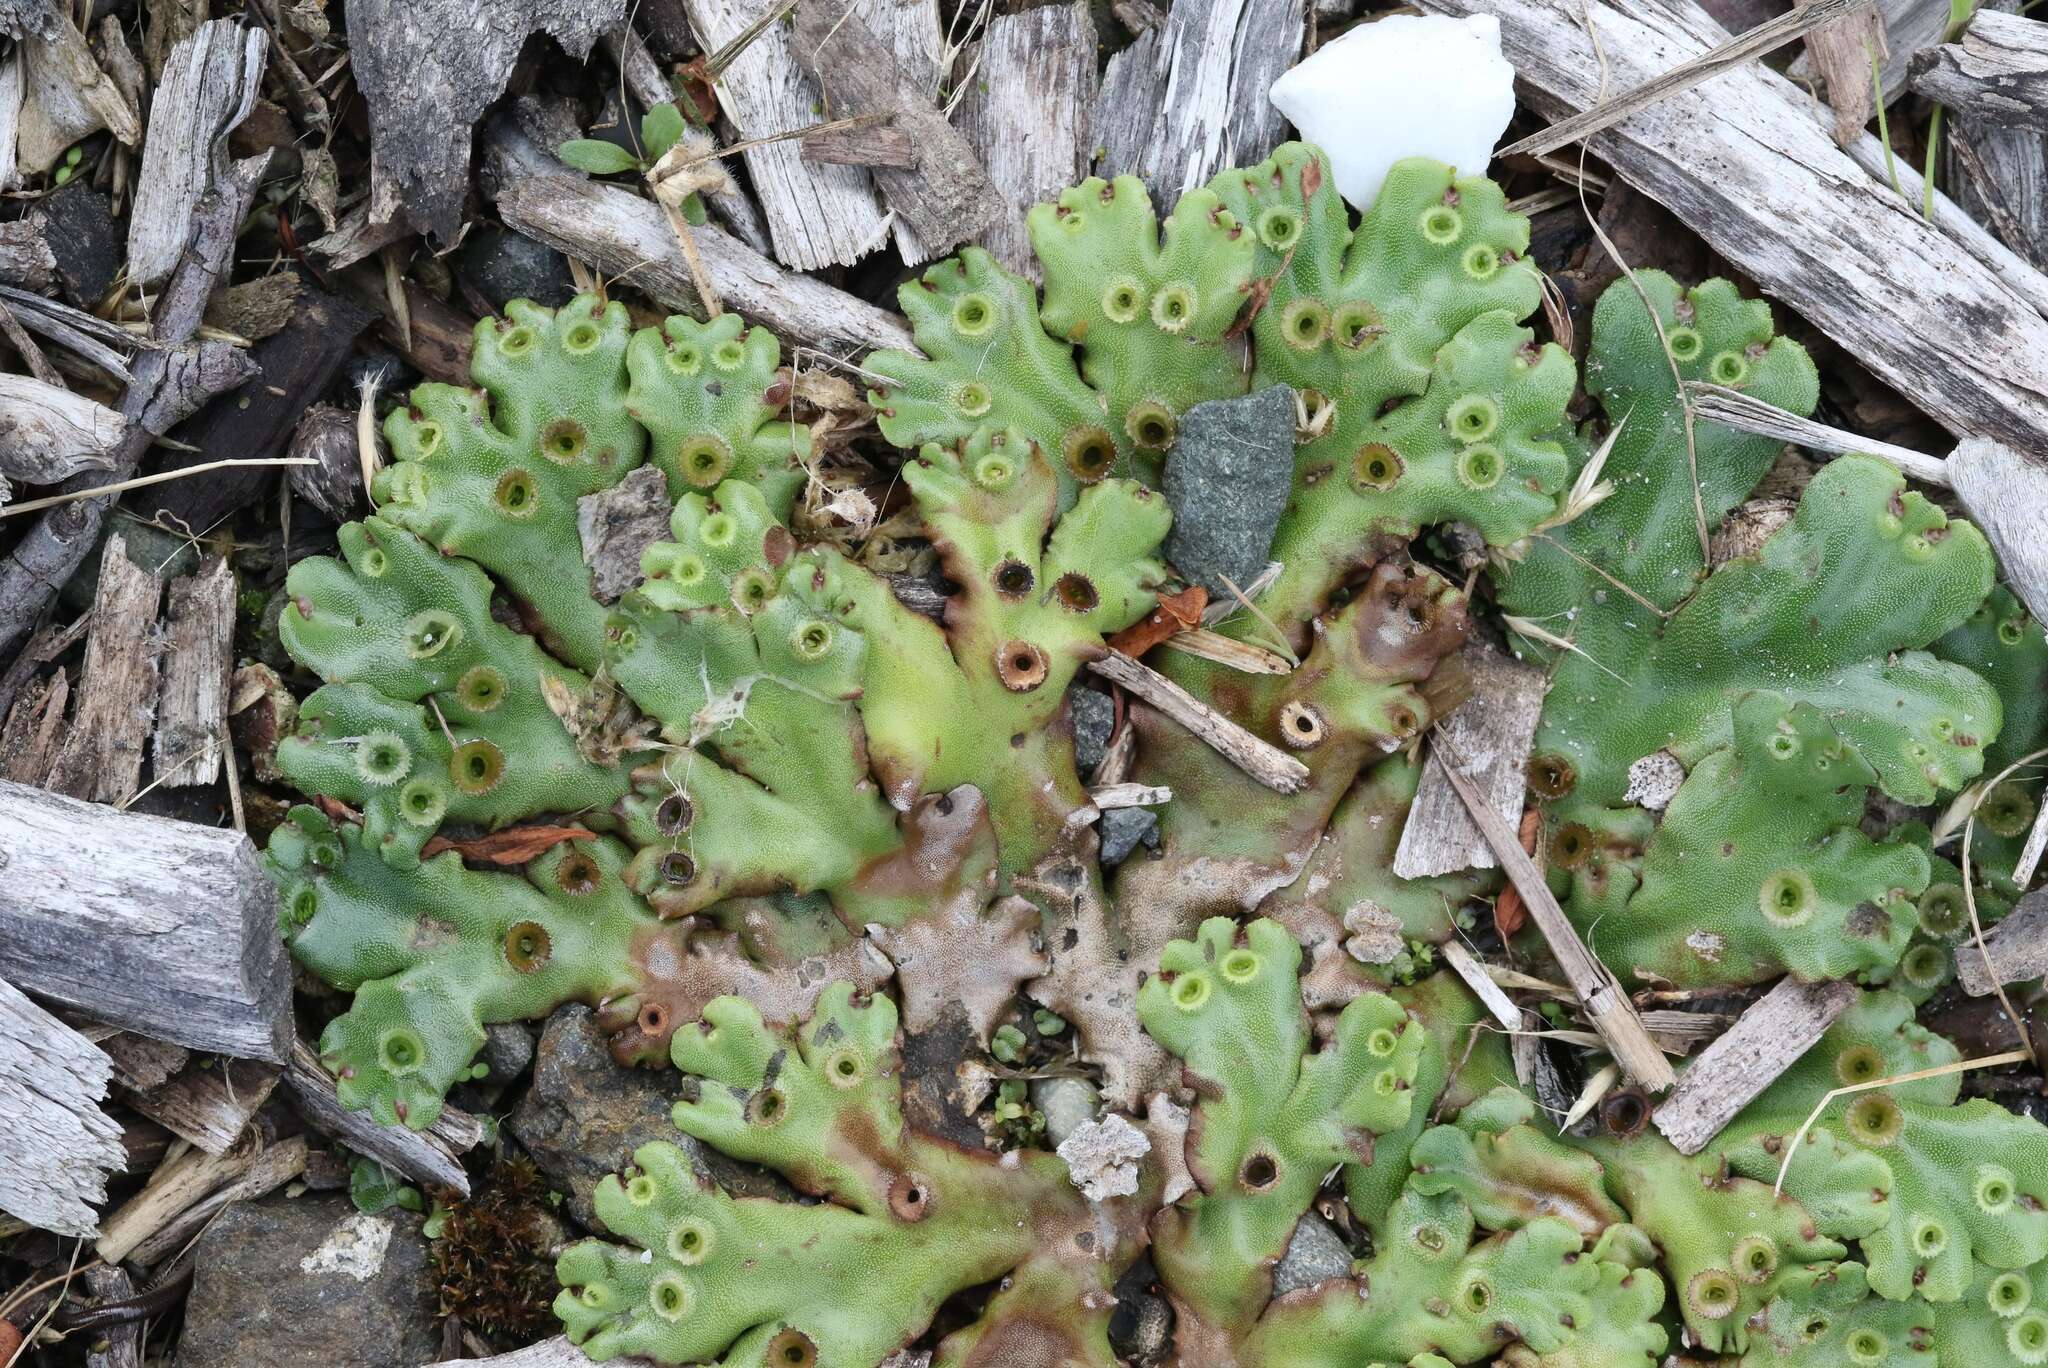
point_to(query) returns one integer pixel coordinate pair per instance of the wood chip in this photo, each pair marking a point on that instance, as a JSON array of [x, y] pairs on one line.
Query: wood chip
[[2006, 495], [139, 1062], [1724, 56], [1262, 760], [1841, 51], [1525, 1047], [427, 1156], [209, 85], [946, 197], [1909, 26], [1106, 796], [861, 144], [211, 1101], [48, 434], [1997, 71], [626, 235], [1915, 304], [65, 98], [2017, 948], [102, 753], [1765, 1040], [1026, 115], [1600, 995], [817, 216], [171, 1191], [1189, 98], [427, 70], [159, 926], [1492, 731], [198, 660], [276, 1165], [56, 1145], [170, 381], [114, 1346]]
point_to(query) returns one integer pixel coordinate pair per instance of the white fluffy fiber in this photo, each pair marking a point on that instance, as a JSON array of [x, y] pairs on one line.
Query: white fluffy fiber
[[1406, 86]]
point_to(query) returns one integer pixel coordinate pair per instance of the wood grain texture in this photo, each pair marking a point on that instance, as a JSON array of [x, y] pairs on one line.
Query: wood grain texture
[[946, 196], [1745, 162], [1189, 98], [25, 256], [209, 86], [817, 215], [2006, 495], [1765, 1040], [623, 234], [56, 1145], [1492, 732], [168, 382], [427, 1156], [274, 1166], [101, 757], [159, 926], [198, 659], [1027, 114], [48, 434], [1909, 26], [428, 69], [2017, 946], [1997, 71], [66, 97], [209, 1102]]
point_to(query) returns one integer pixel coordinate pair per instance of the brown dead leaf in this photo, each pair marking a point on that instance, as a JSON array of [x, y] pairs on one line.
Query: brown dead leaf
[[512, 846], [336, 810], [1509, 914], [1175, 613]]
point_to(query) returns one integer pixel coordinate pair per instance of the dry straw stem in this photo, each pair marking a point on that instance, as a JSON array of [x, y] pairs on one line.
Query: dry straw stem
[[161, 477], [1733, 409], [1262, 760], [1970, 901], [1799, 1136], [1764, 38], [1600, 995], [1597, 1087]]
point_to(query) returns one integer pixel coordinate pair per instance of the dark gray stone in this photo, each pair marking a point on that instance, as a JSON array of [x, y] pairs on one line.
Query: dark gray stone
[[586, 1113], [504, 265], [310, 1283], [1094, 718], [508, 1049], [1124, 828], [1228, 482], [1315, 1254]]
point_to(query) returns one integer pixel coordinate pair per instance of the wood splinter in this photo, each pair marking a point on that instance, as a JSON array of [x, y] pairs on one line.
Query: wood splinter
[[1600, 996], [2013, 951], [1766, 1040]]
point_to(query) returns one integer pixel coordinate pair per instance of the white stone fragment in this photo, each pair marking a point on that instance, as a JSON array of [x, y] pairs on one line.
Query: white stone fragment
[[1405, 86], [1102, 1157], [1653, 780], [354, 1248]]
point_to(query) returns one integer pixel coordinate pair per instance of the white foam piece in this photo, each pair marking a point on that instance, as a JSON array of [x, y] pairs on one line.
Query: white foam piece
[[1405, 86]]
